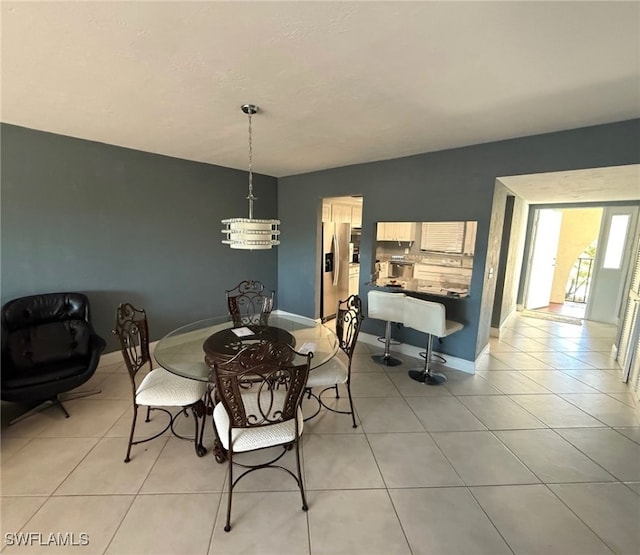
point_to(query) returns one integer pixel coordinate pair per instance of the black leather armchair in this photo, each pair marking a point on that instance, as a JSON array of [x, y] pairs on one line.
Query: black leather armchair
[[49, 347]]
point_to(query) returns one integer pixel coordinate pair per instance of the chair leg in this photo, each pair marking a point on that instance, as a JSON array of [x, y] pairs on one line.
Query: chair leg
[[148, 418], [42, 406], [227, 527], [57, 400], [80, 394], [386, 358], [434, 356], [322, 404], [353, 414], [62, 408], [304, 499], [432, 378], [310, 394], [426, 375], [337, 392], [133, 427]]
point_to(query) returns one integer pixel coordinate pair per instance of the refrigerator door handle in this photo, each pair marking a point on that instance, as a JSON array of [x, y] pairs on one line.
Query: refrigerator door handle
[[336, 260]]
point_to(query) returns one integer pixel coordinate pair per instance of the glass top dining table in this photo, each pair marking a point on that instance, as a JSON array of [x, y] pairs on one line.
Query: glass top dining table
[[182, 350]]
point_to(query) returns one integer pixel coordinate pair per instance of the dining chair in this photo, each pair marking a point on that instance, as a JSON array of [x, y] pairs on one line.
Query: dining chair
[[159, 387], [250, 303], [335, 372], [260, 390]]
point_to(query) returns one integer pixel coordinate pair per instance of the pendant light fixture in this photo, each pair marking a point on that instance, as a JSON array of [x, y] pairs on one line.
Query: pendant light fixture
[[250, 233]]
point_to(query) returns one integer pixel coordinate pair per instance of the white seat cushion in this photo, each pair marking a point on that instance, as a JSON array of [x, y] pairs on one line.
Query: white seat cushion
[[332, 372], [161, 388], [452, 327], [247, 439]]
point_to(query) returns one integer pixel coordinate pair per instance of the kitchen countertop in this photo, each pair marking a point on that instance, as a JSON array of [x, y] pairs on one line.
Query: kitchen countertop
[[419, 286]]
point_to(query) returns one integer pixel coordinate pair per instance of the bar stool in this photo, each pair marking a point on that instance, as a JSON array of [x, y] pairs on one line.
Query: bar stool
[[430, 318], [389, 307]]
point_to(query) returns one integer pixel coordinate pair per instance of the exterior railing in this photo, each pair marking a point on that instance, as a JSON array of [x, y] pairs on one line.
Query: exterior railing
[[580, 281]]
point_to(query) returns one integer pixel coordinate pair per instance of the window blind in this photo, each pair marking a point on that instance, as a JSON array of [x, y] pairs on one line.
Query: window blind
[[442, 236]]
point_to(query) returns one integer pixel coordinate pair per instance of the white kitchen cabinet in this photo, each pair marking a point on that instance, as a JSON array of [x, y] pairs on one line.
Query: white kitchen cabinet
[[356, 215], [406, 231], [341, 213], [342, 210], [354, 280], [384, 231], [396, 231], [326, 212]]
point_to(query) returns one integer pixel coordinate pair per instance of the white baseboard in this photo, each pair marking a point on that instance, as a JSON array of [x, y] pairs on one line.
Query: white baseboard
[[106, 359], [495, 332], [485, 351], [456, 363]]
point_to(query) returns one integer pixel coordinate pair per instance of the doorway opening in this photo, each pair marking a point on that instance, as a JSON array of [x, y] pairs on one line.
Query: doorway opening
[[341, 231], [578, 260], [561, 265], [578, 286]]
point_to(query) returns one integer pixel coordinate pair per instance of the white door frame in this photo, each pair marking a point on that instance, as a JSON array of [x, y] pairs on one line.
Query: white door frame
[[615, 298], [553, 225], [625, 359], [629, 330]]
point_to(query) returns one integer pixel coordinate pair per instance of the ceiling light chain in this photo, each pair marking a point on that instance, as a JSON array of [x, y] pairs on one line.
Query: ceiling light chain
[[250, 233], [250, 110]]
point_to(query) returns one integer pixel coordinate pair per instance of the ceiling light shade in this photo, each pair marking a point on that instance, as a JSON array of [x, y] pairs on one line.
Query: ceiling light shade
[[250, 233]]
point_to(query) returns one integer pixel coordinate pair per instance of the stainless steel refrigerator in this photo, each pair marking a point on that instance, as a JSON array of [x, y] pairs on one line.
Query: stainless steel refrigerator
[[335, 267]]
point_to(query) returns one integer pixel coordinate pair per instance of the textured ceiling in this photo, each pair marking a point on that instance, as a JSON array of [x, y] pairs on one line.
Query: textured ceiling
[[615, 183], [338, 83]]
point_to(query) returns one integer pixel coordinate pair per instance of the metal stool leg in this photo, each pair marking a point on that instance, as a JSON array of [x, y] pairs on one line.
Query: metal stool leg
[[426, 375], [386, 359]]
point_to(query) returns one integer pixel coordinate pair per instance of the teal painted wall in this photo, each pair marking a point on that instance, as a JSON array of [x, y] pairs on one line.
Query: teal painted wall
[[454, 184], [120, 224], [124, 225]]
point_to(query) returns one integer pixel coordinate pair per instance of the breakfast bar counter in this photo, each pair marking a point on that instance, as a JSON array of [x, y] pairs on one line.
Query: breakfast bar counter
[[418, 286]]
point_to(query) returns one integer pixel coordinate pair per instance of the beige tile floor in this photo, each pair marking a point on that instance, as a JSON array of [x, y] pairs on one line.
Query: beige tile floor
[[538, 452]]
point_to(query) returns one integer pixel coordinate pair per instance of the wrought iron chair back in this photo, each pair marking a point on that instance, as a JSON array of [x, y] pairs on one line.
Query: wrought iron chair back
[[261, 385], [132, 330], [250, 303], [348, 321]]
